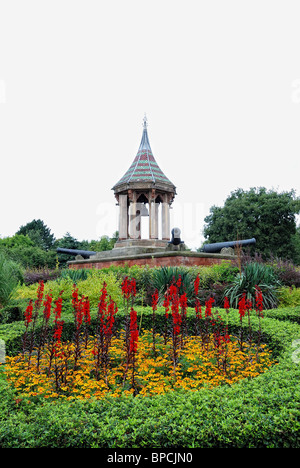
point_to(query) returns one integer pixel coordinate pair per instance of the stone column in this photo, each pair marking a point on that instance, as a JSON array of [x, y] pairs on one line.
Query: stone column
[[123, 217], [153, 220], [165, 220], [133, 234], [138, 224]]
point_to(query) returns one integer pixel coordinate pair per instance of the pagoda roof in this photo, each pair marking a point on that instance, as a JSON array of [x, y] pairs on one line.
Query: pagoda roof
[[144, 170]]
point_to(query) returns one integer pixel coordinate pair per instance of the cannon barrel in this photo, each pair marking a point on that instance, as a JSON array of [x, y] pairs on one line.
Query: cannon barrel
[[218, 246], [175, 240], [83, 253]]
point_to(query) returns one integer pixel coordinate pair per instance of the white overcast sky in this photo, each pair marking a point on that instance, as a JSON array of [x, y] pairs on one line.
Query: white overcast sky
[[219, 81]]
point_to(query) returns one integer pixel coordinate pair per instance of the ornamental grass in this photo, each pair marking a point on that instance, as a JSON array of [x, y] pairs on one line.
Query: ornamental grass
[[133, 360]]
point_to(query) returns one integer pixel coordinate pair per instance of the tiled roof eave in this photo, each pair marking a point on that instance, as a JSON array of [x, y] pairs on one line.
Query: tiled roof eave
[[144, 185]]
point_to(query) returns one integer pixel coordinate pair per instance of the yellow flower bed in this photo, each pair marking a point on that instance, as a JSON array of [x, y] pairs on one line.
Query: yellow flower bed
[[199, 364]]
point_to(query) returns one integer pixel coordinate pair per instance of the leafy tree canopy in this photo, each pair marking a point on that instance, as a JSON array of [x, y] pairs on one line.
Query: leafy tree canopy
[[18, 240], [39, 233], [69, 242], [264, 214]]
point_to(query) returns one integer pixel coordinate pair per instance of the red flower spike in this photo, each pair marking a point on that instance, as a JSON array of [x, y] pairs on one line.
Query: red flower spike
[[111, 312], [47, 307], [226, 303], [242, 306], [102, 302], [154, 300], [79, 313], [166, 304], [173, 291], [128, 287], [58, 307], [183, 301], [134, 334], [208, 306], [198, 309], [58, 331], [28, 313], [74, 296], [86, 311], [40, 293], [196, 285], [259, 301], [133, 287], [177, 319]]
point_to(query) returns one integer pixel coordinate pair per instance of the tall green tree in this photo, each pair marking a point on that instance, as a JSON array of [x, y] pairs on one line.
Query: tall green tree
[[264, 214], [39, 233], [67, 242]]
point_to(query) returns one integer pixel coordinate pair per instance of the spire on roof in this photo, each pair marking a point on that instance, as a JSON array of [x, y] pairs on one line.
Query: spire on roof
[[145, 145], [144, 168], [145, 121]]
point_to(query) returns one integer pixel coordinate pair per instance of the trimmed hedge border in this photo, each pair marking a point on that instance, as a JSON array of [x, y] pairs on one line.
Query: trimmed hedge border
[[262, 412]]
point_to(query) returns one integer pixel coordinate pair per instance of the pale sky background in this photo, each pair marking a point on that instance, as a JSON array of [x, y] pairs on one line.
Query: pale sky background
[[219, 81]]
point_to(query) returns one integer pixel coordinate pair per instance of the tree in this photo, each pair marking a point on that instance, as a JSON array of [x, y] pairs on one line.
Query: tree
[[22, 249], [266, 215], [296, 241], [39, 233], [105, 243], [16, 241], [10, 276], [67, 242]]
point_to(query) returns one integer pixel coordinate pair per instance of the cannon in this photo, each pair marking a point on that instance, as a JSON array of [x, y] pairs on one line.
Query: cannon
[[83, 253], [218, 246], [175, 240]]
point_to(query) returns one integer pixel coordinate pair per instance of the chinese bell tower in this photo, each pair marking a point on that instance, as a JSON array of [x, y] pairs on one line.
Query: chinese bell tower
[[144, 190]]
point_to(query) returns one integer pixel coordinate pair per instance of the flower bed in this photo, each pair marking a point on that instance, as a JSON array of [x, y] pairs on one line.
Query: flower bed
[[153, 373], [254, 412]]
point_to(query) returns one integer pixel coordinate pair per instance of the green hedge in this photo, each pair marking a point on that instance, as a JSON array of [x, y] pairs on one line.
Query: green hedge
[[284, 313], [262, 412]]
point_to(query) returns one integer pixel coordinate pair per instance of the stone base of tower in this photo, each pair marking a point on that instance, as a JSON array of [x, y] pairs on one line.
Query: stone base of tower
[[152, 259], [156, 244]]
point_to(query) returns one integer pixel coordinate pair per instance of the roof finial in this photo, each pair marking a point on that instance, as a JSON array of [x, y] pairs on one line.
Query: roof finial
[[145, 121]]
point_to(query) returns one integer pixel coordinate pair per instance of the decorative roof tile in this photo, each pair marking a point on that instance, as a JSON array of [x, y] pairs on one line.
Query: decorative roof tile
[[144, 168]]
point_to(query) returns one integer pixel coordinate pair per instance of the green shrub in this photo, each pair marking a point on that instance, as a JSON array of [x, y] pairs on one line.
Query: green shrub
[[289, 297], [11, 313], [10, 276], [287, 273], [90, 287], [35, 275], [33, 257], [252, 275], [75, 275], [291, 314], [163, 277]]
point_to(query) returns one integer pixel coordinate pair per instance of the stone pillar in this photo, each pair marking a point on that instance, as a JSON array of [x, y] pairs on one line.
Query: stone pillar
[[165, 220], [138, 224], [133, 234], [123, 217], [153, 220]]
